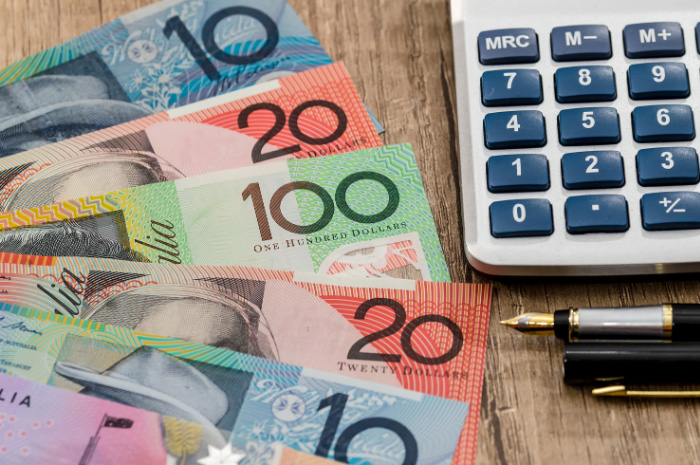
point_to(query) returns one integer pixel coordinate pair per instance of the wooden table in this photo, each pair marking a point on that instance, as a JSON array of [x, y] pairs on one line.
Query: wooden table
[[400, 54]]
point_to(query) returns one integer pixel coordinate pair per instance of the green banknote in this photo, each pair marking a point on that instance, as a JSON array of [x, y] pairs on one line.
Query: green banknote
[[363, 213]]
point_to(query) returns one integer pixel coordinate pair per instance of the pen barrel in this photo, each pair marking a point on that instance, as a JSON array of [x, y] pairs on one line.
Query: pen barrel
[[686, 322], [620, 323], [631, 362]]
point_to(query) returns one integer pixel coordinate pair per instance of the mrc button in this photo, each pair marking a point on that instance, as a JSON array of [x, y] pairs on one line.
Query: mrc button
[[573, 43], [506, 46]]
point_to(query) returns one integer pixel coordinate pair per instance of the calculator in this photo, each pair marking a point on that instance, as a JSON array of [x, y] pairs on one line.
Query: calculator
[[577, 132]]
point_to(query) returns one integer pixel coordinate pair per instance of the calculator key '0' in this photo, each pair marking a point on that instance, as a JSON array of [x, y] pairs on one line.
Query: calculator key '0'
[[576, 43], [589, 126], [521, 218], [671, 210], [592, 170], [650, 40], [507, 46], [596, 213], [517, 173], [663, 123], [667, 166], [514, 129], [585, 84], [658, 80], [511, 87]]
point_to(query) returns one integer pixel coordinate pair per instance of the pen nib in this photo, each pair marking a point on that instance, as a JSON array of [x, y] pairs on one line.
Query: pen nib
[[536, 324]]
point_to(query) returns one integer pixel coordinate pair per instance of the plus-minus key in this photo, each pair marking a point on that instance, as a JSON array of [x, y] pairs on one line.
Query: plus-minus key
[[671, 210]]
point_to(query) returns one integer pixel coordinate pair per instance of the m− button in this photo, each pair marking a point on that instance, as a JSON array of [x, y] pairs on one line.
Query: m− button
[[506, 46], [576, 43]]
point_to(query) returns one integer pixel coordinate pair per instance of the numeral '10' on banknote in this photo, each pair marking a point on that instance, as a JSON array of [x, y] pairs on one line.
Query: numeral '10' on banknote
[[363, 213], [309, 114], [163, 56], [48, 425]]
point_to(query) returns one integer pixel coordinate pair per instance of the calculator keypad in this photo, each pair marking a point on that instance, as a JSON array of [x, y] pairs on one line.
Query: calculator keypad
[[585, 84], [511, 87], [589, 167]]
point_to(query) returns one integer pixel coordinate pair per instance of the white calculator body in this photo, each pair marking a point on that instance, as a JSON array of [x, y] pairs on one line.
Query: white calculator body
[[577, 132]]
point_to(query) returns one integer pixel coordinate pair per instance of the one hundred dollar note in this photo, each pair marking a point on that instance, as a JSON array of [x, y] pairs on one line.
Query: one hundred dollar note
[[47, 425], [258, 400], [363, 213], [309, 114], [423, 336], [166, 55]]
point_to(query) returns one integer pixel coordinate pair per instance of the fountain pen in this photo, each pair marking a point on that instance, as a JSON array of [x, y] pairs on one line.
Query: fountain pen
[[668, 322]]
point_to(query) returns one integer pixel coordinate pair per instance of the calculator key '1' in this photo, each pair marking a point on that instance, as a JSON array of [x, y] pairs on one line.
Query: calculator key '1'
[[671, 210], [589, 126], [663, 123], [649, 40], [511, 87], [517, 173], [514, 129], [658, 80], [592, 170], [667, 166], [585, 84], [596, 213], [521, 218], [576, 43], [506, 46]]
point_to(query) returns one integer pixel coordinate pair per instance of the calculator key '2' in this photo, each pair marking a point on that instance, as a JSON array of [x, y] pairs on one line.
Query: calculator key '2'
[[521, 218], [663, 123], [589, 126], [592, 170]]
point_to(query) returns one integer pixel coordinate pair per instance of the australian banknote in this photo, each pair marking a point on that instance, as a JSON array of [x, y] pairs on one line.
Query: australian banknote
[[166, 55], [258, 400], [428, 337], [363, 213], [309, 114], [43, 424]]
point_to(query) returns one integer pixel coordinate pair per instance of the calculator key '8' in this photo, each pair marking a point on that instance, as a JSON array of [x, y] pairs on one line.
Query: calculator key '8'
[[585, 84]]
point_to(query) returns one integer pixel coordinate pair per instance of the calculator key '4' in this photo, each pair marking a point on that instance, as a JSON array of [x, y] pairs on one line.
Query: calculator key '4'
[[592, 170], [650, 40], [517, 173], [511, 87], [663, 123], [576, 43], [585, 84], [658, 80], [667, 166], [589, 126], [514, 129], [507, 46], [671, 210], [596, 213], [521, 218]]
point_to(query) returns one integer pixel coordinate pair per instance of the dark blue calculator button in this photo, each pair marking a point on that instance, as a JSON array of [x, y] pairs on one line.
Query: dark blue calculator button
[[514, 129], [511, 87], [650, 40], [697, 36], [589, 126], [521, 218], [504, 46], [575, 43], [592, 170], [596, 213], [663, 123], [658, 80], [517, 173], [585, 84], [667, 166], [671, 210]]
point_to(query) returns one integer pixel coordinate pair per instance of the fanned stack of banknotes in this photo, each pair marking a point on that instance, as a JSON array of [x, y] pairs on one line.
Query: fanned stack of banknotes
[[200, 243]]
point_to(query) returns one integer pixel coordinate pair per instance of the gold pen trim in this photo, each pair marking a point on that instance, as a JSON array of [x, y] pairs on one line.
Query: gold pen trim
[[668, 321], [622, 391], [573, 324]]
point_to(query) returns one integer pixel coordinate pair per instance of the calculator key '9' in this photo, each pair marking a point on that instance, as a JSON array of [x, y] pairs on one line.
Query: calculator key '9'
[[521, 218], [671, 210], [511, 87], [518, 173], [667, 166], [585, 84], [658, 80], [589, 126], [514, 129], [663, 123], [592, 170]]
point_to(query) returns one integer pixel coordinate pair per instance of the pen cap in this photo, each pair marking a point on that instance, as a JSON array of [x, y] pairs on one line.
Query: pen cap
[[632, 362]]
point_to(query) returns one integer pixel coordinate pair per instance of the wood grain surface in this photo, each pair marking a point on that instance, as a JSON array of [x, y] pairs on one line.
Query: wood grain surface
[[399, 53]]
